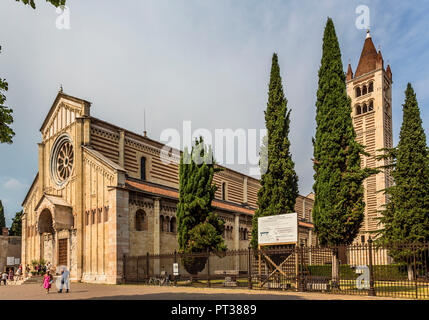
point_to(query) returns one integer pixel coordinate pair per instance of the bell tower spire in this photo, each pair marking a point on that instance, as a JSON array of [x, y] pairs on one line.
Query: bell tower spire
[[371, 95]]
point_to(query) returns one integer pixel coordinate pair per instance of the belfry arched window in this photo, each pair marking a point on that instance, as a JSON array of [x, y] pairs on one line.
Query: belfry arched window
[[364, 90], [371, 106], [371, 87], [365, 108], [358, 109], [358, 92]]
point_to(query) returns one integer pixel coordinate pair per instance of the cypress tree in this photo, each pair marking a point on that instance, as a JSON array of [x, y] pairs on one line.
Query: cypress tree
[[406, 216], [199, 228], [338, 207], [2, 218], [279, 184], [16, 227]]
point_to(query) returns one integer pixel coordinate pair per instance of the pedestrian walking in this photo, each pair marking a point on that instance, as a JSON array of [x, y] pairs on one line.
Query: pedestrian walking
[[11, 274], [4, 277], [65, 275], [47, 281]]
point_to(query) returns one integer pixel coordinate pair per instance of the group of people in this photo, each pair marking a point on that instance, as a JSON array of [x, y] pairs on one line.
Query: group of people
[[39, 268], [48, 280], [10, 275]]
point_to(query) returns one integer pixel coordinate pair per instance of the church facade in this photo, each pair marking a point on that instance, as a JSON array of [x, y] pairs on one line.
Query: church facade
[[102, 192], [370, 90]]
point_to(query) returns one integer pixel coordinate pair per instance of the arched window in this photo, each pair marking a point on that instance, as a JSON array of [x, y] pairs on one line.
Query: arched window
[[364, 90], [358, 92], [173, 225], [140, 220], [161, 222], [231, 233], [143, 168], [371, 106], [371, 87], [365, 108], [167, 224], [223, 191], [358, 109]]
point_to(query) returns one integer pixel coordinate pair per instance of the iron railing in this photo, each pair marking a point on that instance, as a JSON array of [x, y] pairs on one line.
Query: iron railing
[[397, 270]]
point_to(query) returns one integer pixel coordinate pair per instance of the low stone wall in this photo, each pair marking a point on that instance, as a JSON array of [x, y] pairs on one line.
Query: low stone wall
[[10, 246]]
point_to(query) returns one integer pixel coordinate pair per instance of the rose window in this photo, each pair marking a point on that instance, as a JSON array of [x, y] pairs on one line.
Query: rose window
[[62, 159]]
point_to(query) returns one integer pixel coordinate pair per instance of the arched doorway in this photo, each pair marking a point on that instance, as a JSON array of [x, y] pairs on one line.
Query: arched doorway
[[47, 238]]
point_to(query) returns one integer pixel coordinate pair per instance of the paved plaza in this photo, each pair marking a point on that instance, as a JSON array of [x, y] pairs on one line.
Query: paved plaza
[[35, 291]]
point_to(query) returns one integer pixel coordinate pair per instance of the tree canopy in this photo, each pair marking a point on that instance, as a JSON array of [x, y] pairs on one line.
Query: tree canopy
[[339, 207], [279, 182]]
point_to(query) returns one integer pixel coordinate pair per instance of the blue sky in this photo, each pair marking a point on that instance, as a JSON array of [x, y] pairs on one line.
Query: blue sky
[[206, 61]]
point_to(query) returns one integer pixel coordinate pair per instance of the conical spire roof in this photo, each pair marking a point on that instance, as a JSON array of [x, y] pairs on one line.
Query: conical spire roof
[[368, 57]]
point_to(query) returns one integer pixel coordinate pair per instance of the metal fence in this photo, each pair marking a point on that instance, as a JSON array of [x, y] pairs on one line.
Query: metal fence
[[365, 269]]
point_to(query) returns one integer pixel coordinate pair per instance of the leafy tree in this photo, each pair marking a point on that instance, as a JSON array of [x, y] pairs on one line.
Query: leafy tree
[[406, 215], [6, 119], [279, 182], [56, 3], [199, 228], [16, 227], [2, 218], [338, 207]]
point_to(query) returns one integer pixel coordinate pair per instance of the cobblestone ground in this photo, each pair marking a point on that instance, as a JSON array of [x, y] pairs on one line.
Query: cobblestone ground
[[139, 292]]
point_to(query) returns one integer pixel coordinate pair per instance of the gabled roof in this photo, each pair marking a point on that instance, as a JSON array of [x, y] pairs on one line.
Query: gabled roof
[[36, 178], [368, 58], [55, 200], [58, 97]]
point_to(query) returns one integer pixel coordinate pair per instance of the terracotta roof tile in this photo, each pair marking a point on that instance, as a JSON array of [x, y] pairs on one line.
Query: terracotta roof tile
[[368, 58]]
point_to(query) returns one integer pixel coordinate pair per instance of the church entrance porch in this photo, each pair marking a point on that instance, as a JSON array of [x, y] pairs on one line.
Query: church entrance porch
[[47, 236], [55, 223]]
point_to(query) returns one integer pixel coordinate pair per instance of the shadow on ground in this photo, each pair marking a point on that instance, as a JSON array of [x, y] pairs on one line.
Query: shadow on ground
[[198, 296]]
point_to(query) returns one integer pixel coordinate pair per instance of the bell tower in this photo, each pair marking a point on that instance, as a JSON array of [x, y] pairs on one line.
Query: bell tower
[[370, 90]]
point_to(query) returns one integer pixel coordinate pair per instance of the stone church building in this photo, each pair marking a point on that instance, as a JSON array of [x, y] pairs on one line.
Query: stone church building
[[102, 192]]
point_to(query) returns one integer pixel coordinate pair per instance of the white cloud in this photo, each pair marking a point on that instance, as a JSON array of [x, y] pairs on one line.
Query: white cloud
[[13, 184]]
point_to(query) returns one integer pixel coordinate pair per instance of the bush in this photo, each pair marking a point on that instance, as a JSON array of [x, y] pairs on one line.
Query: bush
[[381, 272]]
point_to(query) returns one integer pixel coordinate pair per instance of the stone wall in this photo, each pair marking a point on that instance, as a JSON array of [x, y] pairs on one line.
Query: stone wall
[[10, 246]]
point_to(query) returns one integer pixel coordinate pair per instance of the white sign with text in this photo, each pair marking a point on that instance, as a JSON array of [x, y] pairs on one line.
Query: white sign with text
[[282, 228]]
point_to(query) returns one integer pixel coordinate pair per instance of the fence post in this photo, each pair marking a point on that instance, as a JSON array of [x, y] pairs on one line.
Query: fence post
[[147, 264], [175, 261], [301, 272], [415, 271], [249, 269], [371, 271], [208, 268]]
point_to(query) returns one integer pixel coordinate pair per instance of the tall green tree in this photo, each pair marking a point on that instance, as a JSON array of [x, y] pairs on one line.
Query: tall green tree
[[279, 184], [199, 228], [2, 217], [6, 117], [406, 215], [338, 207], [16, 227], [56, 3]]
